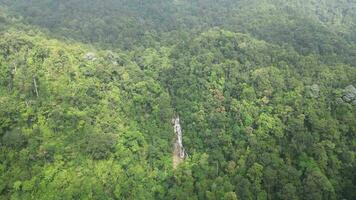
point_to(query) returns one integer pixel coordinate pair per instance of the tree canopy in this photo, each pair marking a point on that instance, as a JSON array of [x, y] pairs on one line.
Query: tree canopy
[[265, 92]]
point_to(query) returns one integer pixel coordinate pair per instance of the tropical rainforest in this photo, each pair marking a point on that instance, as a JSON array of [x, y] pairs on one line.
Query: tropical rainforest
[[265, 91]]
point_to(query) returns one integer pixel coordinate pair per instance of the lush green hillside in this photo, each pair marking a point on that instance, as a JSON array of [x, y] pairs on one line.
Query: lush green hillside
[[321, 26], [265, 91]]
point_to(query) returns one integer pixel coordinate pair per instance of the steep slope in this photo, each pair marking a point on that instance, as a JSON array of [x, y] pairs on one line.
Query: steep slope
[[266, 99], [265, 119], [69, 119], [325, 27]]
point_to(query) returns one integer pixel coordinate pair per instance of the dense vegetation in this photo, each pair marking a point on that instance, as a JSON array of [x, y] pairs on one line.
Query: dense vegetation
[[265, 90]]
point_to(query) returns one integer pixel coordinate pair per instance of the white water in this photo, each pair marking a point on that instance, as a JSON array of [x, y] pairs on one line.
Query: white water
[[179, 149]]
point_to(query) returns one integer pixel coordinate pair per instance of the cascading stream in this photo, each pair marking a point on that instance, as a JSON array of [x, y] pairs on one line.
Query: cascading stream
[[178, 151]]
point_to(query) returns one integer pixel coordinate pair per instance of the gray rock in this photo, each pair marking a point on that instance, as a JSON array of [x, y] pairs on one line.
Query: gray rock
[[112, 57], [349, 94], [339, 101], [313, 91], [90, 56]]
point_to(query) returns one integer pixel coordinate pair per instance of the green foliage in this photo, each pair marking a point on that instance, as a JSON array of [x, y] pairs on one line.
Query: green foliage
[[259, 87], [14, 139], [99, 146]]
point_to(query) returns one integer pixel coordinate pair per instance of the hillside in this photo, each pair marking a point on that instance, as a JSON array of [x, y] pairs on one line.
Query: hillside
[[265, 92]]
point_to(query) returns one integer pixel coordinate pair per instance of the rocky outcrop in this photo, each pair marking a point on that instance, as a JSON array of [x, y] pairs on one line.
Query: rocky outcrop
[[90, 56], [349, 94], [313, 91]]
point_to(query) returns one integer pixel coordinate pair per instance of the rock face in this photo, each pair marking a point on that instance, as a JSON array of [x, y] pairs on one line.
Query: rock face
[[313, 91], [178, 149], [349, 94], [90, 56]]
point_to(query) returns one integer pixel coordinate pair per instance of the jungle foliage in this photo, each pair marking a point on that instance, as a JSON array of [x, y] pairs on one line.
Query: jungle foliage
[[265, 90]]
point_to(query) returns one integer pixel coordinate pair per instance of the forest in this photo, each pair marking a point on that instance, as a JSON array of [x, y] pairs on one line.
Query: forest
[[93, 94]]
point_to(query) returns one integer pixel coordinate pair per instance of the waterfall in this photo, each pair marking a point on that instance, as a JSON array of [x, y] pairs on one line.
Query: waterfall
[[178, 143]]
